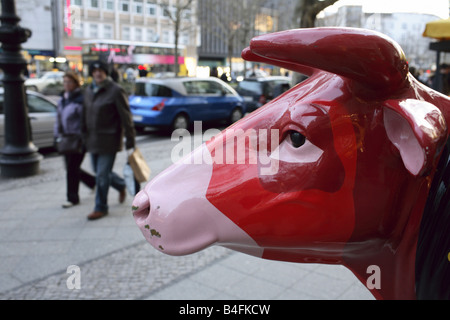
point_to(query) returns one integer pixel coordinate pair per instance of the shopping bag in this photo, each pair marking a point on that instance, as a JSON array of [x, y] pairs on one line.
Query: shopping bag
[[128, 176], [140, 168]]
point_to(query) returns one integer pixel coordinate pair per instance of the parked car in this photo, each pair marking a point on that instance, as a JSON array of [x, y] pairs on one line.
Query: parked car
[[48, 78], [175, 103], [42, 115], [258, 91]]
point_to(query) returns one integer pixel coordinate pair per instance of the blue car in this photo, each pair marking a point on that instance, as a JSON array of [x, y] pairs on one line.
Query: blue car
[[175, 103]]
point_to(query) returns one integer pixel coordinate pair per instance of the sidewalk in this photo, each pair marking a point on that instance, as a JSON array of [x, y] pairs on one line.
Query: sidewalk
[[39, 240]]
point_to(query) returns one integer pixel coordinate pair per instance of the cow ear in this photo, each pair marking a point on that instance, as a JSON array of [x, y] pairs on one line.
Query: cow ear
[[418, 130]]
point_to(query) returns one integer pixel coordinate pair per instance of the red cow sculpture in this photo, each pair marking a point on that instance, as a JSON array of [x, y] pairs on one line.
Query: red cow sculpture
[[349, 167]]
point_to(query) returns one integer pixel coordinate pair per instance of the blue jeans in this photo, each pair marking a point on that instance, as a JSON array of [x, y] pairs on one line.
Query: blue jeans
[[105, 177]]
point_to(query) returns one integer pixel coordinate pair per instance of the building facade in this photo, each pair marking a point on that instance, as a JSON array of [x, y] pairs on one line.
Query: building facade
[[133, 23], [62, 28], [228, 26], [40, 49], [212, 33]]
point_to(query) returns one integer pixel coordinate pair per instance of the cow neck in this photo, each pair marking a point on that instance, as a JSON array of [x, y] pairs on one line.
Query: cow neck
[[392, 246]]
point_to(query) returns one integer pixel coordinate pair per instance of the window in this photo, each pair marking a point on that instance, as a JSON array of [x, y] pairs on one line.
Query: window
[[184, 38], [126, 33], [250, 87], [108, 5], [138, 7], [77, 3], [215, 88], [93, 30], [138, 34], [93, 3], [165, 36], [107, 31], [168, 11], [150, 35], [205, 87], [37, 104], [151, 8], [124, 6], [152, 90], [56, 77], [187, 14]]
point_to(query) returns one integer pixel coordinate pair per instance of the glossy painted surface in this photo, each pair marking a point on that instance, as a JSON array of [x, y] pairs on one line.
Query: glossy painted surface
[[337, 170]]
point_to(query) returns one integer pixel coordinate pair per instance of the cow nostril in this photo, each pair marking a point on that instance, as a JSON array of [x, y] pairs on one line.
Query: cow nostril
[[141, 213]]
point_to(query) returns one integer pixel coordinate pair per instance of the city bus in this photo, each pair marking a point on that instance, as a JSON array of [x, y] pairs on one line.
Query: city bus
[[145, 57]]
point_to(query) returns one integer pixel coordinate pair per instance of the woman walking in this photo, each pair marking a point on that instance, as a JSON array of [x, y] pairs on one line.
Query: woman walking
[[69, 121]]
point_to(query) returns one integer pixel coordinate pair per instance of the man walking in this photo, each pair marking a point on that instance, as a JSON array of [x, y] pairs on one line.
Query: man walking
[[107, 119]]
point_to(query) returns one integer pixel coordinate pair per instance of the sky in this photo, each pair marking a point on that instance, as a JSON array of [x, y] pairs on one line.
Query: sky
[[439, 8]]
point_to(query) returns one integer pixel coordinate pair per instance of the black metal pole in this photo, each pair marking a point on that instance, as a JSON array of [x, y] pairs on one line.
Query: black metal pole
[[19, 156]]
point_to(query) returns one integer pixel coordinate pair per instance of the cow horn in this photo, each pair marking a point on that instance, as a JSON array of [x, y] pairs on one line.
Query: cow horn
[[248, 55], [365, 56]]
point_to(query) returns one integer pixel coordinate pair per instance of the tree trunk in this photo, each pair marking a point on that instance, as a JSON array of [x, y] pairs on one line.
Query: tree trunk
[[308, 10], [230, 52]]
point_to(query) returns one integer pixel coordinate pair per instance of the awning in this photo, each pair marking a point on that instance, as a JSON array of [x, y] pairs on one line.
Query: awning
[[439, 29]]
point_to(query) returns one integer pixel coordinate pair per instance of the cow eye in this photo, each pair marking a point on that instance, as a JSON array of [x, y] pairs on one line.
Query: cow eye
[[297, 139]]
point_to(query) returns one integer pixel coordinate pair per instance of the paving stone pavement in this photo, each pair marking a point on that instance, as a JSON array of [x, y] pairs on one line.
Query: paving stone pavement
[[130, 273]]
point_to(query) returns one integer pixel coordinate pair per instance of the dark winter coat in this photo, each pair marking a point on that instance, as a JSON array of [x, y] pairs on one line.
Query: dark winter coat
[[107, 118], [70, 111]]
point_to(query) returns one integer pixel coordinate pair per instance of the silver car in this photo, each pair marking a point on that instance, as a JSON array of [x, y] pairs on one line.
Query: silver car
[[42, 114], [48, 78]]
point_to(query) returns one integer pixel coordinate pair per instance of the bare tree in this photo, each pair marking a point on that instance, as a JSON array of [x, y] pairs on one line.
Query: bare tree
[[233, 21], [307, 11], [177, 14]]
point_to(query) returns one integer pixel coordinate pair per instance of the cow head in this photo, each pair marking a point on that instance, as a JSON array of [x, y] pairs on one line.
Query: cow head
[[336, 170]]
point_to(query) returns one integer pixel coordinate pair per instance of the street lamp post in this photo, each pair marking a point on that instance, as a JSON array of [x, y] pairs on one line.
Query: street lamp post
[[19, 156]]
